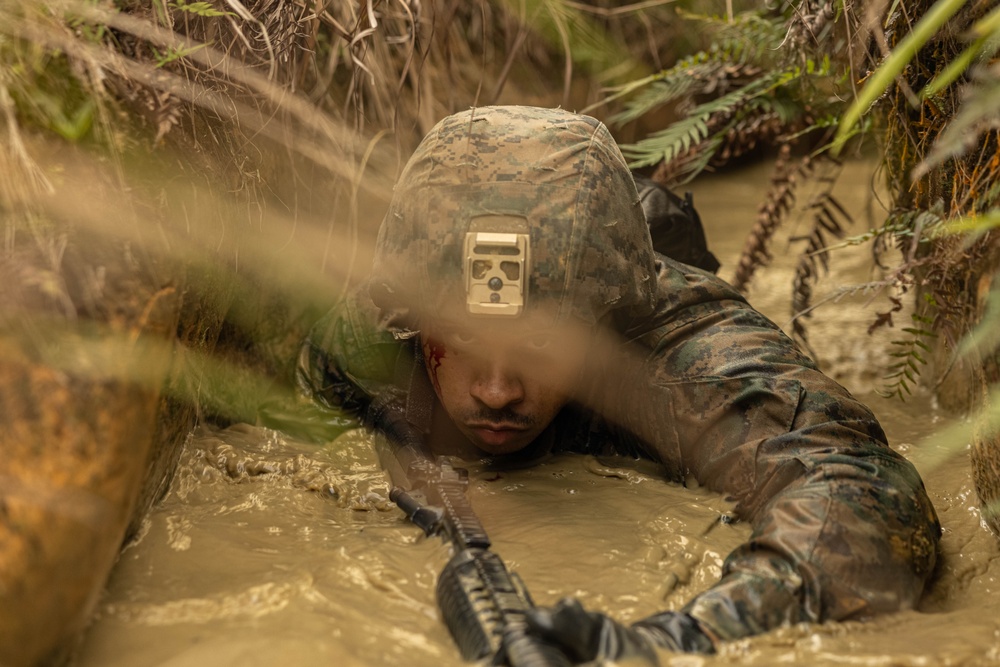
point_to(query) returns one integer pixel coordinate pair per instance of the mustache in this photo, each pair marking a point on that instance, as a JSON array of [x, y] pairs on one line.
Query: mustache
[[505, 416]]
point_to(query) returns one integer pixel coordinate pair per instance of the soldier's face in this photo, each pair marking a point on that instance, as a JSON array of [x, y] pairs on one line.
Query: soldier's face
[[502, 381]]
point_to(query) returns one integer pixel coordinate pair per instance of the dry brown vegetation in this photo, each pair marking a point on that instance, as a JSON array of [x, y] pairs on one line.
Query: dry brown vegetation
[[208, 175]]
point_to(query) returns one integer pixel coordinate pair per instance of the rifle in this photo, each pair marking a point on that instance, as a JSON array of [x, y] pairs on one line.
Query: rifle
[[483, 604]]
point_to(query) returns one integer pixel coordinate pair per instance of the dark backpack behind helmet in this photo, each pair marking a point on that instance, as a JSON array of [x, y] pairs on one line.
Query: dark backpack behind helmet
[[674, 225]]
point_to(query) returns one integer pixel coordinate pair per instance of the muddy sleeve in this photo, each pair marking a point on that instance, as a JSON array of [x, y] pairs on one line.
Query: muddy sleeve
[[842, 526], [347, 357]]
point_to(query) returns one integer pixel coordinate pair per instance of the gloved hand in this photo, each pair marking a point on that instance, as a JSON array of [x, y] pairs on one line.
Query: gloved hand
[[587, 636]]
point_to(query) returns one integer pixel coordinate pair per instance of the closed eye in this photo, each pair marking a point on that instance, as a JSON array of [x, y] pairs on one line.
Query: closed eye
[[461, 337], [540, 342]]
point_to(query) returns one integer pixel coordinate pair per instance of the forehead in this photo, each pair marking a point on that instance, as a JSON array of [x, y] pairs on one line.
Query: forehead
[[561, 338], [528, 322]]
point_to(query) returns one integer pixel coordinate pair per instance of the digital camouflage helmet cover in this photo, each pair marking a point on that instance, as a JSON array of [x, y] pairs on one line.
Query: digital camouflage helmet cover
[[506, 209]]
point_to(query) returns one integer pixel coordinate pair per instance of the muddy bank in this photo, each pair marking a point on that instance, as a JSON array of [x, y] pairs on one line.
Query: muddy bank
[[104, 320], [86, 330]]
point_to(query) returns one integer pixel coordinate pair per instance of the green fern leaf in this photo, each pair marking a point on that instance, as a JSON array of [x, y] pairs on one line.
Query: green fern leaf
[[679, 137], [672, 84]]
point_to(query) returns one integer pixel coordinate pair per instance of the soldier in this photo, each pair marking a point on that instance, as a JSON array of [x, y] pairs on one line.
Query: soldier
[[518, 307]]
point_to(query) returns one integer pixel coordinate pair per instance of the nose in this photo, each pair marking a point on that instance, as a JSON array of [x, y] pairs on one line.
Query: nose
[[497, 385]]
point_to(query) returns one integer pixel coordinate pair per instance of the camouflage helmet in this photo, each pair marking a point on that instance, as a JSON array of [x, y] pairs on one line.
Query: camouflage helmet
[[557, 178]]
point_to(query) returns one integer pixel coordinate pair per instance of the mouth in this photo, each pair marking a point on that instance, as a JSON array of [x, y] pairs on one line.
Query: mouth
[[498, 437]]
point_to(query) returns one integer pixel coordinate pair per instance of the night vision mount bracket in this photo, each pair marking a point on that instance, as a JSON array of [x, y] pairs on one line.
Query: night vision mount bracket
[[497, 265]]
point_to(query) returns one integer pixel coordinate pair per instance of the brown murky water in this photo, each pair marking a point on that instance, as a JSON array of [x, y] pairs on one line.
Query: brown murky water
[[268, 551]]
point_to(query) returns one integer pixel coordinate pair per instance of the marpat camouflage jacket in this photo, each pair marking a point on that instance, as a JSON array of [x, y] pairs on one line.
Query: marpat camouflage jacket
[[697, 379]]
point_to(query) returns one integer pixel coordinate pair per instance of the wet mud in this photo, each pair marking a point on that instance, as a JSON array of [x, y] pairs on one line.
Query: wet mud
[[266, 550]]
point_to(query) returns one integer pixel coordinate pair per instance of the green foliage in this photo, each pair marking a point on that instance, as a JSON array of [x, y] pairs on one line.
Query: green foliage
[[899, 227], [90, 32], [694, 129], [742, 42], [972, 225], [926, 225], [930, 24], [47, 91], [663, 87], [779, 78], [980, 112], [910, 353], [204, 9], [742, 89], [986, 41], [174, 53], [986, 33], [749, 37]]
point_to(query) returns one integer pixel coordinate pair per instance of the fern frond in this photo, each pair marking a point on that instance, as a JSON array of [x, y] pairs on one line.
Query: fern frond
[[896, 227], [903, 374], [772, 211], [740, 50], [678, 138], [750, 37], [685, 167], [664, 87], [829, 220], [984, 339]]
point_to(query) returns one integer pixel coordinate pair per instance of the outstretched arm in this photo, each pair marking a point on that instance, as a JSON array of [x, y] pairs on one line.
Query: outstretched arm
[[842, 526]]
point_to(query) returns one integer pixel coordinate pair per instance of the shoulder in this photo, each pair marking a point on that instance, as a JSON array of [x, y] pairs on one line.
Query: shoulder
[[685, 295], [351, 343], [703, 327]]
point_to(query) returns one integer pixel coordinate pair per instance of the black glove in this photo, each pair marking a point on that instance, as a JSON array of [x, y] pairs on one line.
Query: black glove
[[586, 636]]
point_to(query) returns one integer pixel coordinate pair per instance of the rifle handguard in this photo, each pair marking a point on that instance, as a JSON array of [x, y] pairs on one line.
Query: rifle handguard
[[482, 603]]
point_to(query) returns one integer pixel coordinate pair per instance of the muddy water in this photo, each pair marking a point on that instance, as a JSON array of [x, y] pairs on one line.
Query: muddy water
[[269, 551]]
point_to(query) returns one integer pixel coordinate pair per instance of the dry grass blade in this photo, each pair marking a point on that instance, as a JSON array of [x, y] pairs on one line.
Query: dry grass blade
[[22, 178]]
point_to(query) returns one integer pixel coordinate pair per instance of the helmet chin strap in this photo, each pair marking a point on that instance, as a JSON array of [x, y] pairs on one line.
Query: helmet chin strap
[[420, 395]]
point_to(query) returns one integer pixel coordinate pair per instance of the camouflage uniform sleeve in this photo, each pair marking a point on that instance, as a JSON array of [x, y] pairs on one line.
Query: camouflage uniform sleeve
[[347, 357], [842, 526]]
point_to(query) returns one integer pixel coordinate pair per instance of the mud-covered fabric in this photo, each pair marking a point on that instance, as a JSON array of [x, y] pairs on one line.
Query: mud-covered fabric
[[706, 385], [842, 524]]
